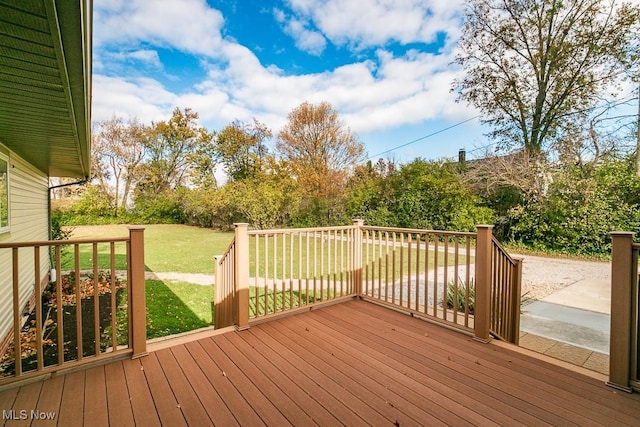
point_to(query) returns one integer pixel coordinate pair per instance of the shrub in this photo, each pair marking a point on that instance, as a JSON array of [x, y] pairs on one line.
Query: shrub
[[457, 296]]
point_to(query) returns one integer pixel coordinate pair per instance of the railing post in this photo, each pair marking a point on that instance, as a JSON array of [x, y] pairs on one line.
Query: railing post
[[137, 297], [357, 255], [515, 303], [217, 294], [482, 311], [624, 273], [241, 284]]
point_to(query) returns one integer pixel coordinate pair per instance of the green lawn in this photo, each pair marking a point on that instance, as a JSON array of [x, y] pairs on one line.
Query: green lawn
[[305, 256], [168, 248], [175, 307], [172, 307]]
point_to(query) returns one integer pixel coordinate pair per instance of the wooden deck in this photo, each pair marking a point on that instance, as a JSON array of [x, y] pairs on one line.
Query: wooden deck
[[352, 364]]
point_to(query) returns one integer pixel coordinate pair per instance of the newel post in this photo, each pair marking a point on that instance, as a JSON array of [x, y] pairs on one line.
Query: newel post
[[218, 294], [137, 292], [357, 255], [515, 302], [624, 274], [482, 310], [241, 274]]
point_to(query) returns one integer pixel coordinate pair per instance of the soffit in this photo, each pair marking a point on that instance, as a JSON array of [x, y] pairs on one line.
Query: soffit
[[45, 86]]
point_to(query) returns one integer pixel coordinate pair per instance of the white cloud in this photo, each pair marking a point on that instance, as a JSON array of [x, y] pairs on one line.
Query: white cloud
[[188, 25], [401, 90], [309, 41], [372, 94], [305, 39], [146, 55], [370, 23], [145, 99]]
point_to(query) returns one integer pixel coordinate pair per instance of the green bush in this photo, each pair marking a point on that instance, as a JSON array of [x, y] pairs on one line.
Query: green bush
[[580, 209], [163, 208], [420, 194]]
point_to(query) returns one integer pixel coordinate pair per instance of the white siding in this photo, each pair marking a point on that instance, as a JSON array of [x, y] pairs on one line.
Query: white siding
[[29, 221]]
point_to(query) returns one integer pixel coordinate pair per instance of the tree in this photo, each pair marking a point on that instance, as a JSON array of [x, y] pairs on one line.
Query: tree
[[178, 152], [241, 148], [432, 195], [532, 65], [117, 154], [321, 150], [583, 205], [267, 199]]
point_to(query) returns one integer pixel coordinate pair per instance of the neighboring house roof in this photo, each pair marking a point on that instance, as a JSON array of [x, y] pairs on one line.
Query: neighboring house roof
[[45, 83]]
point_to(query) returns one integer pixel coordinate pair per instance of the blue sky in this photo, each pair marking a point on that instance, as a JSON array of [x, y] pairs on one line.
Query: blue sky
[[385, 66]]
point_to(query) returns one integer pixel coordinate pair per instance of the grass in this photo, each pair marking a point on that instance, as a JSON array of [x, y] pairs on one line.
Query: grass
[[168, 248], [172, 307], [177, 307], [272, 302], [309, 256]]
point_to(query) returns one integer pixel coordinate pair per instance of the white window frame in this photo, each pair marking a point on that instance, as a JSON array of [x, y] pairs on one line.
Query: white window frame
[[6, 228]]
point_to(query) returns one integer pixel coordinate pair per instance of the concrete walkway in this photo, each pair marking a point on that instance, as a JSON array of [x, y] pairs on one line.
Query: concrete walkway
[[571, 324]]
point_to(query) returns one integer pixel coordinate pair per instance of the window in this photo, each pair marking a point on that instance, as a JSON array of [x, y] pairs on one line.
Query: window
[[4, 193]]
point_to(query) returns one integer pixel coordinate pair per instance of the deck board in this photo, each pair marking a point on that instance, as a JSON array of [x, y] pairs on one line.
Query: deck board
[[72, 400], [233, 398], [96, 412], [271, 365], [27, 398], [165, 402], [187, 398], [549, 382], [406, 389], [353, 363], [388, 396], [49, 401], [286, 406], [464, 360], [145, 412], [120, 413]]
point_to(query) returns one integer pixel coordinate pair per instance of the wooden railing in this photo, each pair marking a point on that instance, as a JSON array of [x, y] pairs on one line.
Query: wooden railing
[[288, 269], [425, 272], [88, 310], [506, 277], [624, 350], [224, 313], [465, 280]]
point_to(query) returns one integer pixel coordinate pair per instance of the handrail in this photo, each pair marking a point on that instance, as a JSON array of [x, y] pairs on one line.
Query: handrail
[[506, 279], [431, 273], [420, 230], [100, 302], [298, 230], [224, 301], [62, 242], [501, 248]]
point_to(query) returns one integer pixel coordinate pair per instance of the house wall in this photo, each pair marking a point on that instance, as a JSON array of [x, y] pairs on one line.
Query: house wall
[[29, 221]]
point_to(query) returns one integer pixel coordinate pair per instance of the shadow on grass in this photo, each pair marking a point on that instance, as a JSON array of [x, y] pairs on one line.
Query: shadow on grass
[[176, 307]]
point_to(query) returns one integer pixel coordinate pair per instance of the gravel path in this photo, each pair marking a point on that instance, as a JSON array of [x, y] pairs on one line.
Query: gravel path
[[543, 276]]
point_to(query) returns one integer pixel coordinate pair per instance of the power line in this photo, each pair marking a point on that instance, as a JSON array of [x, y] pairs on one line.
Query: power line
[[615, 102], [423, 137]]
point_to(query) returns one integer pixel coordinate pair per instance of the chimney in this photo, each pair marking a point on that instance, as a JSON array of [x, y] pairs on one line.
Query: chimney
[[462, 156]]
